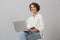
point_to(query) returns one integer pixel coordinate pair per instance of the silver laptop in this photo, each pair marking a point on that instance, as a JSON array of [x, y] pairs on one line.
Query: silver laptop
[[20, 26]]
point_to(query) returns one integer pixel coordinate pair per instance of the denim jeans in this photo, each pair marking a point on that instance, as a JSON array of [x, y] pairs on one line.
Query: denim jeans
[[23, 35]]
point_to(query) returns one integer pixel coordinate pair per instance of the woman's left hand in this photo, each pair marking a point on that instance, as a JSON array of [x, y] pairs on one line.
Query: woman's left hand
[[34, 30]]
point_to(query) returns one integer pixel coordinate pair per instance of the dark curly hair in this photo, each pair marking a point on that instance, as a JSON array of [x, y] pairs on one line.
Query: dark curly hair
[[36, 5]]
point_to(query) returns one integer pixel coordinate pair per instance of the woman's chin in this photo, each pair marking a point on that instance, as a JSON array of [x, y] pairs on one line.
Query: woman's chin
[[33, 12]]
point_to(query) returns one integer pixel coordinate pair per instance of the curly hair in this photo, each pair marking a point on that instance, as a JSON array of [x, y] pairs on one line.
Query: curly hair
[[35, 5]]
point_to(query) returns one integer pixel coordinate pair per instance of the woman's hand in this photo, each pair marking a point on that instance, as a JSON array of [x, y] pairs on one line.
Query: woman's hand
[[33, 30]]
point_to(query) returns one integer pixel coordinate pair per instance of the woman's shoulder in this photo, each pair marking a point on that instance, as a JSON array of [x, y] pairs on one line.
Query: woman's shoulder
[[29, 18], [40, 15]]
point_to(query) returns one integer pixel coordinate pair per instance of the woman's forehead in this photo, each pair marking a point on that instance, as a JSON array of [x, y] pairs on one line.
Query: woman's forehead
[[32, 6]]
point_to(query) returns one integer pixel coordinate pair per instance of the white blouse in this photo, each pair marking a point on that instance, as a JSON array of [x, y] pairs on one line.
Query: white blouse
[[37, 22]]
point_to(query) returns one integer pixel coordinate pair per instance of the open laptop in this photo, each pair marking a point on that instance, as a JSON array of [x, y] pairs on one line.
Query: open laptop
[[20, 26]]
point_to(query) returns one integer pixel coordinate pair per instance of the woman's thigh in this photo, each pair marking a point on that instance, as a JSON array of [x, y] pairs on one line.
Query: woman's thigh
[[34, 36]]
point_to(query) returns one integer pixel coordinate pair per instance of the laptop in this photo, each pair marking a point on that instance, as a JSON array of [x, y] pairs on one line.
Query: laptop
[[20, 26]]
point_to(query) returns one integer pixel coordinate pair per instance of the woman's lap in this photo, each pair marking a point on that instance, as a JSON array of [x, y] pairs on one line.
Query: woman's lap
[[32, 35]]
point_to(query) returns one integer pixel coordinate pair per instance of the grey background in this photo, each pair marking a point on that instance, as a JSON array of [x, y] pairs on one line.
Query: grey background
[[16, 10]]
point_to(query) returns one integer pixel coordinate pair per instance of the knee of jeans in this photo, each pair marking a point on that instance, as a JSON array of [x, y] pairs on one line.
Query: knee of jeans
[[21, 32]]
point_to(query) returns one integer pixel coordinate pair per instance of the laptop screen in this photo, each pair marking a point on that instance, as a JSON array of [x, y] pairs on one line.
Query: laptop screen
[[20, 25]]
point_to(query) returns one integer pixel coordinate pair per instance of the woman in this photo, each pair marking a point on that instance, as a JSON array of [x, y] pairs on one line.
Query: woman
[[35, 24]]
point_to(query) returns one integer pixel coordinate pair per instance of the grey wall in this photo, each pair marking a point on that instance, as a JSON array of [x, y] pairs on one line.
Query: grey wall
[[15, 10]]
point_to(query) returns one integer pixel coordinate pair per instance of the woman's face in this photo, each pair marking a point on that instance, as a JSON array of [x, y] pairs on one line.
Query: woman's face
[[33, 9]]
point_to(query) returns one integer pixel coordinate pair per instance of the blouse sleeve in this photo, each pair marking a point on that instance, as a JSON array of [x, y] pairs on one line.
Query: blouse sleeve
[[41, 24], [41, 27], [28, 24]]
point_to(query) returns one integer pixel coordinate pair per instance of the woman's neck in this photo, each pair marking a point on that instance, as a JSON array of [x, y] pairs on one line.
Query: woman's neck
[[34, 14]]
